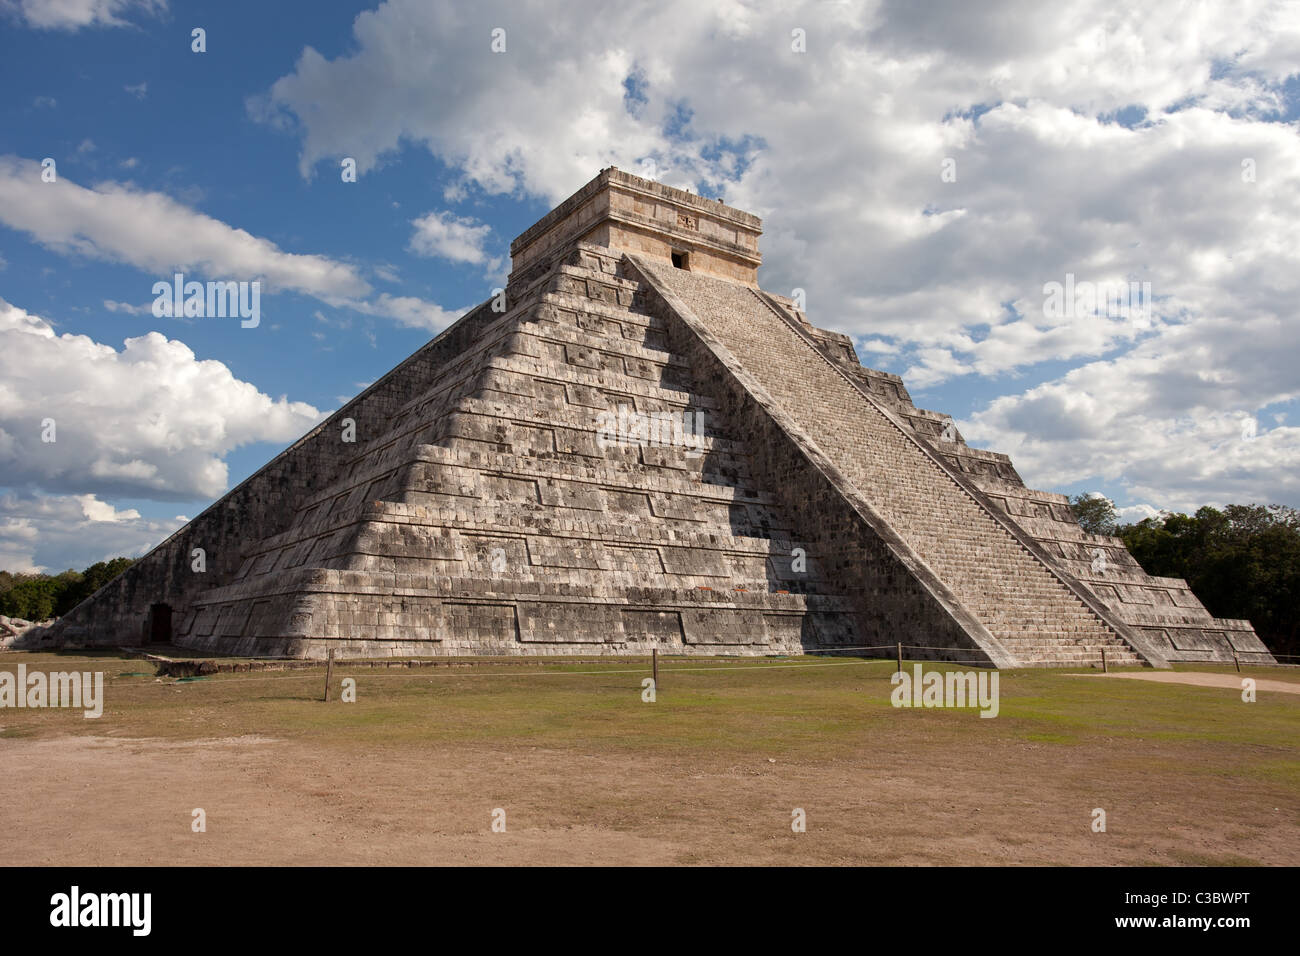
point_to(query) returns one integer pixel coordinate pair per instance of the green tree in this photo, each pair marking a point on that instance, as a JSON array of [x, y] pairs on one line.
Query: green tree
[[90, 581], [1242, 562], [31, 598], [38, 597], [1096, 513]]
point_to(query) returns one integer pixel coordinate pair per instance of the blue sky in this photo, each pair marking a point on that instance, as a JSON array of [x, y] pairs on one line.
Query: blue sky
[[1093, 141], [187, 133]]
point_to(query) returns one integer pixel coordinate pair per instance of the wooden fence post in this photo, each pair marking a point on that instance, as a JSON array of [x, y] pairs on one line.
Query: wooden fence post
[[1104, 669], [329, 673], [900, 658], [654, 663]]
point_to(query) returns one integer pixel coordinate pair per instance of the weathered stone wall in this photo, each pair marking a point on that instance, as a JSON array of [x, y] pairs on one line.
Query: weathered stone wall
[[626, 213], [261, 506], [603, 550]]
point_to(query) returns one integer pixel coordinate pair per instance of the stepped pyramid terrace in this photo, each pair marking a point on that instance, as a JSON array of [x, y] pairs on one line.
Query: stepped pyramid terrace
[[638, 448]]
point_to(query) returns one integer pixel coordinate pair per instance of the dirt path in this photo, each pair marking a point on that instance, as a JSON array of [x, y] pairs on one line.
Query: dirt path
[[111, 800], [1205, 679]]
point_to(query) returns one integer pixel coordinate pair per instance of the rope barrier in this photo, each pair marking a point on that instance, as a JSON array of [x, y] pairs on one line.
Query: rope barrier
[[445, 674], [444, 667]]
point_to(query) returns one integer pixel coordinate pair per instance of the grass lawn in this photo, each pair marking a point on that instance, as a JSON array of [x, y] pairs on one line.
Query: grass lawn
[[711, 772]]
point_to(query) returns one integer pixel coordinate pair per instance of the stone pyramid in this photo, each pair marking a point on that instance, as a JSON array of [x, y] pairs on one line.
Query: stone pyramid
[[635, 447]]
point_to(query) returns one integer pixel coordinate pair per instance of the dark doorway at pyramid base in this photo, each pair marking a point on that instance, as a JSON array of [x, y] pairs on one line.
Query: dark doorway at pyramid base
[[158, 626]]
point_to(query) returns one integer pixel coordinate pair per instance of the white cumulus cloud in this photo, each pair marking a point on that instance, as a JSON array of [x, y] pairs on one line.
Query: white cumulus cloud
[[150, 421], [842, 150], [53, 533], [74, 14], [450, 237], [157, 234], [160, 236]]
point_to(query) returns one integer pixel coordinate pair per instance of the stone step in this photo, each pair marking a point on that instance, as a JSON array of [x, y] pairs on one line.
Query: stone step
[[991, 572]]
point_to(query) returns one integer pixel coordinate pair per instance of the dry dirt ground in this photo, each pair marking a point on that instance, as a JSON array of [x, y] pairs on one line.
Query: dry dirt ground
[[1201, 679], [588, 773]]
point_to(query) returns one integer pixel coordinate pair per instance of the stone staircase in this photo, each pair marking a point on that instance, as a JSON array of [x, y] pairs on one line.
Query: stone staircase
[[1036, 617], [1161, 613]]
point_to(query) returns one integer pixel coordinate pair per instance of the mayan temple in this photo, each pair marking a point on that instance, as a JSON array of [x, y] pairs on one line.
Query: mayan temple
[[636, 447]]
